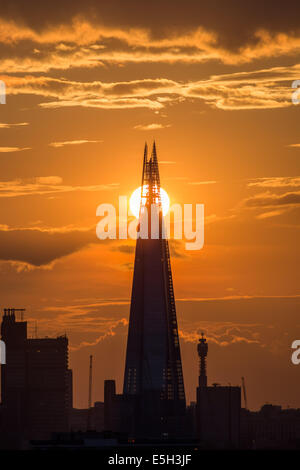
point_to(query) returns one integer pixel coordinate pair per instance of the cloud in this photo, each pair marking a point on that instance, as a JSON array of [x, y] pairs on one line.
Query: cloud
[[260, 89], [127, 266], [13, 149], [294, 145], [46, 185], [267, 215], [112, 328], [4, 125], [92, 33], [197, 183], [276, 182], [223, 333], [177, 248], [151, 127], [268, 200], [128, 249], [74, 142], [38, 248], [49, 180]]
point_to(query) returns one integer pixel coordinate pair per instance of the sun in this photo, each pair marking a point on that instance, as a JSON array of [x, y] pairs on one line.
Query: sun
[[135, 201]]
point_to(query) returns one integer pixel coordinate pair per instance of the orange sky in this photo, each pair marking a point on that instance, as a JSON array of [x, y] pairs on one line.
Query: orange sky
[[87, 84]]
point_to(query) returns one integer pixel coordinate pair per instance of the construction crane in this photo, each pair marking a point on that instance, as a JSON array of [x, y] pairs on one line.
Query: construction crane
[[11, 311], [90, 394], [244, 393]]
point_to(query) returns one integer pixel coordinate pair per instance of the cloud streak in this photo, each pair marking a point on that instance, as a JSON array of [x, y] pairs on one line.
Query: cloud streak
[[13, 149], [269, 199], [151, 127], [4, 125], [198, 183], [46, 185], [261, 89], [276, 182], [74, 142]]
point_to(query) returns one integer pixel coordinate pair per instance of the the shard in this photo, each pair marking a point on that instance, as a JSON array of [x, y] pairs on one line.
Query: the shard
[[153, 378]]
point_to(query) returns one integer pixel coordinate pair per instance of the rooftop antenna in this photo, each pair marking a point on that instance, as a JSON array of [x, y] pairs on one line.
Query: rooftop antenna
[[202, 349], [12, 311], [244, 393], [90, 393]]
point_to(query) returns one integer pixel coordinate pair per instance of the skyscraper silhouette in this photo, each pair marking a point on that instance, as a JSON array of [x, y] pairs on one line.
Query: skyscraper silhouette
[[153, 371], [202, 353], [36, 384]]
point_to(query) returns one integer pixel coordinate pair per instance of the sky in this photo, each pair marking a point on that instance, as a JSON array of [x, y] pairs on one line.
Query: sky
[[87, 83]]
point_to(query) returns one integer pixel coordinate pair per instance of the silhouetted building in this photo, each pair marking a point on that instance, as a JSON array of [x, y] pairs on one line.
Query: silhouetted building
[[270, 428], [217, 410], [79, 418], [202, 349], [99, 416], [118, 410], [36, 384], [153, 372]]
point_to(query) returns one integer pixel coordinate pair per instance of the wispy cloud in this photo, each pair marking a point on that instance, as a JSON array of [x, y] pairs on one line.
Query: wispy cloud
[[4, 125], [269, 199], [151, 127], [197, 183], [294, 145], [74, 142], [46, 185], [52, 180], [260, 89], [127, 249], [13, 149], [267, 215], [276, 182]]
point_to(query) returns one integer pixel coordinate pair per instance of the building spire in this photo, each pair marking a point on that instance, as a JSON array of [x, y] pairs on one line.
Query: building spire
[[202, 353], [153, 371], [150, 179], [144, 165], [155, 165]]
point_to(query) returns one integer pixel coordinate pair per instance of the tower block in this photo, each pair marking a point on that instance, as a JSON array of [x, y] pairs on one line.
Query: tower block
[[153, 371]]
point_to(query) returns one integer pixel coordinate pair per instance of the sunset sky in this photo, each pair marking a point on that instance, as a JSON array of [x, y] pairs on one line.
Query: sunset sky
[[88, 82]]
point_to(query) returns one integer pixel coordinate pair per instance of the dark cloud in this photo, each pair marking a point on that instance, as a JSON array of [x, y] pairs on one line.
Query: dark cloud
[[128, 249], [267, 200], [38, 248], [177, 248], [234, 22], [127, 266]]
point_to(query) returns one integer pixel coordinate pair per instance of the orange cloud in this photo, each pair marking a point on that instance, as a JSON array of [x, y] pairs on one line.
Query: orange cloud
[[80, 42], [262, 89], [46, 185], [4, 125], [13, 149], [74, 142], [151, 127]]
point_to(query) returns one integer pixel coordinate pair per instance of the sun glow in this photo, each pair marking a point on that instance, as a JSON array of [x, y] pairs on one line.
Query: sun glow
[[135, 201]]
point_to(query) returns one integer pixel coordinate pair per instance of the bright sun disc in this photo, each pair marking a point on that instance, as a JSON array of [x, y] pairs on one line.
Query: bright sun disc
[[135, 201]]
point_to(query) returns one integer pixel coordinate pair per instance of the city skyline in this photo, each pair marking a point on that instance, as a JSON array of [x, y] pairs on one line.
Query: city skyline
[[87, 85]]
